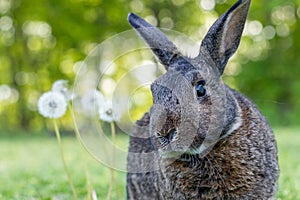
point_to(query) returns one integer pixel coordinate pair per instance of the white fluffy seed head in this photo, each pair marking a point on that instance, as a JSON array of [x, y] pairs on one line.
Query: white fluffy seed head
[[52, 105], [61, 86], [91, 101], [108, 113]]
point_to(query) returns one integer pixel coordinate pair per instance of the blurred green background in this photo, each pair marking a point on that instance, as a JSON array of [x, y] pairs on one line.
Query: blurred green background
[[42, 41]]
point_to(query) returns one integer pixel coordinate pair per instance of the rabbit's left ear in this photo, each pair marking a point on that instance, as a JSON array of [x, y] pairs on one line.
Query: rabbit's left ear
[[223, 38], [161, 46]]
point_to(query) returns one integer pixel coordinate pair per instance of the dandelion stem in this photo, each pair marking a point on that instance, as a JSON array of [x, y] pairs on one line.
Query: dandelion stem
[[88, 184], [63, 160], [88, 187], [113, 137]]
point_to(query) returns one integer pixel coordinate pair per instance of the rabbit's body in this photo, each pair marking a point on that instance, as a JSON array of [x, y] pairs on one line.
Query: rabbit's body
[[200, 139], [240, 166]]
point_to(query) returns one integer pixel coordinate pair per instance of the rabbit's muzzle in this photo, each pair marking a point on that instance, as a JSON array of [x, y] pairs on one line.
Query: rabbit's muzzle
[[173, 136], [177, 120]]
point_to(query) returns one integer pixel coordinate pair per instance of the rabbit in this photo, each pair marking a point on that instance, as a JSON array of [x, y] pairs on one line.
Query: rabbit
[[200, 139]]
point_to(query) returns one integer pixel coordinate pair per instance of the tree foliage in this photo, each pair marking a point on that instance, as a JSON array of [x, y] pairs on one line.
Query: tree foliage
[[45, 40]]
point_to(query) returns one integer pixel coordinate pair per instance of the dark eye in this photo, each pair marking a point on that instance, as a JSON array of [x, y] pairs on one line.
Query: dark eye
[[200, 89]]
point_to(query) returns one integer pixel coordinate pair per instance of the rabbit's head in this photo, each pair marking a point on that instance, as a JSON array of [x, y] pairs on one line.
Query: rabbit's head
[[192, 109]]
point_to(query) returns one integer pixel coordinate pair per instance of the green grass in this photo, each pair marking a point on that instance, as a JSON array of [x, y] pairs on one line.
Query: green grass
[[31, 168], [288, 141]]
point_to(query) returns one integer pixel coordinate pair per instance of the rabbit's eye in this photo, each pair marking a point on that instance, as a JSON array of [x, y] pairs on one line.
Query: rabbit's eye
[[200, 89]]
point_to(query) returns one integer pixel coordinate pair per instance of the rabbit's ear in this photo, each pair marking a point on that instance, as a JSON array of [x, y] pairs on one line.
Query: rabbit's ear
[[223, 38], [162, 47]]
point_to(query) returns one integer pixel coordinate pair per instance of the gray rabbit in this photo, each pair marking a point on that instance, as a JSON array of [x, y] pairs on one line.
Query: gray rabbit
[[200, 139]]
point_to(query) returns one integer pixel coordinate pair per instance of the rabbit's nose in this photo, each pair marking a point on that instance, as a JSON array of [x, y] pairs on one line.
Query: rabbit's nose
[[168, 137], [171, 134]]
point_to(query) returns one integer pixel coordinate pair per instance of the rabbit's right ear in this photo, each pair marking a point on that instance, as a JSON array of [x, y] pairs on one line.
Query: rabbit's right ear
[[223, 38], [161, 46]]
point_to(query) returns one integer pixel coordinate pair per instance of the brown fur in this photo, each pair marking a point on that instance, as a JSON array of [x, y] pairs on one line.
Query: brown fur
[[215, 145], [241, 166]]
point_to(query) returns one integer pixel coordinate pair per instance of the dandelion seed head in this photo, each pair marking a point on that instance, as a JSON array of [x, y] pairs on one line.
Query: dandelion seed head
[[61, 86], [91, 101], [108, 113], [52, 105]]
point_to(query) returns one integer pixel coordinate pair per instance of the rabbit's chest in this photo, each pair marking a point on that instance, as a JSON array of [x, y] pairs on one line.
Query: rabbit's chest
[[190, 182]]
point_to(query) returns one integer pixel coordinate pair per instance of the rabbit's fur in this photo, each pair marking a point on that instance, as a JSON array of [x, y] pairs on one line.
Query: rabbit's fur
[[200, 139]]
